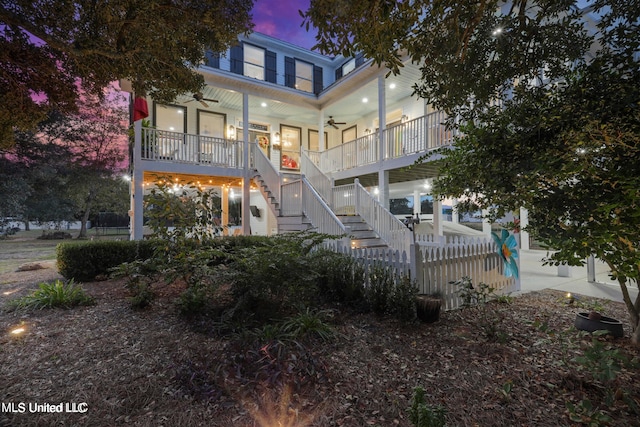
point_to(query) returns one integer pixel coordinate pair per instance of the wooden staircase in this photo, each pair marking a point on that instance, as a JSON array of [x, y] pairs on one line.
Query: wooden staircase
[[361, 234]]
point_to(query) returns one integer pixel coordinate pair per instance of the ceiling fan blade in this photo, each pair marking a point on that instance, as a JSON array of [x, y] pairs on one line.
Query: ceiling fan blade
[[340, 123], [204, 103], [333, 124]]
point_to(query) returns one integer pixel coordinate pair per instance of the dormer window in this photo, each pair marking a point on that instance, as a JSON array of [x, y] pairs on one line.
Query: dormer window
[[304, 76], [254, 62], [348, 66]]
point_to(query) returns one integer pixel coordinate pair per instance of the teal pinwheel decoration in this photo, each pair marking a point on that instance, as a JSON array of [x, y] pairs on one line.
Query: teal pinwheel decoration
[[507, 248]]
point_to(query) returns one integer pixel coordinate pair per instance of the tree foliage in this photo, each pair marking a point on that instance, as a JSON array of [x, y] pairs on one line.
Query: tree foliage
[[49, 47], [548, 103]]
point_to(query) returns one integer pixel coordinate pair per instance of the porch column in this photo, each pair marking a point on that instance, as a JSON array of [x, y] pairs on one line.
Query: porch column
[[225, 210], [524, 235], [417, 209], [438, 228], [486, 224], [454, 211], [137, 181], [321, 146], [383, 175], [246, 179]]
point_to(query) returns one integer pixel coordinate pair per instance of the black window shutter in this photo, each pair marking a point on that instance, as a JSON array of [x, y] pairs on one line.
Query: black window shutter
[[213, 59], [289, 72], [317, 79], [237, 59], [338, 73], [359, 59], [270, 66]]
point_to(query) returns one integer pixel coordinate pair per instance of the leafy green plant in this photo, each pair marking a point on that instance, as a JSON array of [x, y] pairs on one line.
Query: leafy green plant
[[341, 277], [423, 415], [56, 294], [402, 301], [603, 362], [504, 299], [471, 295], [586, 414], [381, 284], [309, 323]]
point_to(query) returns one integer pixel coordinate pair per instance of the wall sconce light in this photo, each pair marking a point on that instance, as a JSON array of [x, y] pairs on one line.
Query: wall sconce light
[[276, 141], [231, 132], [367, 131], [404, 118]]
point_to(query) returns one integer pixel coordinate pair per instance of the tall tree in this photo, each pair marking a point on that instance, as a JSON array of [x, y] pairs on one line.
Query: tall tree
[[547, 98], [48, 47], [96, 137]]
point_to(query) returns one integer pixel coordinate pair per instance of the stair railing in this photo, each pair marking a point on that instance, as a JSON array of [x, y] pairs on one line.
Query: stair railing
[[390, 229], [267, 171], [318, 211], [318, 180]]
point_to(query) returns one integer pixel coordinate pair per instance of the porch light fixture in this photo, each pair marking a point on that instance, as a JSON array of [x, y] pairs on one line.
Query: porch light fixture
[[367, 131], [365, 100], [276, 141], [231, 132], [404, 118]]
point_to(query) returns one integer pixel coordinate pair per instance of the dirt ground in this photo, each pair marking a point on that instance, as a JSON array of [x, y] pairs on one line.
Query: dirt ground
[[109, 365]]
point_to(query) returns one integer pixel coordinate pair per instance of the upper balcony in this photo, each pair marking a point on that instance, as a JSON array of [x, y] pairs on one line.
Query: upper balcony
[[401, 146]]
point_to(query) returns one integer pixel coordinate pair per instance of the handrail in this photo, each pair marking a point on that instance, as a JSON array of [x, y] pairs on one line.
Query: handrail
[[318, 180], [318, 212], [177, 147], [390, 229], [268, 172]]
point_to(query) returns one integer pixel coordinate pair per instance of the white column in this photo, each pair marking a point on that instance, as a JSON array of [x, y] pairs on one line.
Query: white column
[[224, 205], [524, 235], [417, 209], [486, 224], [321, 146], [454, 211], [383, 175], [246, 180], [137, 181], [438, 227]]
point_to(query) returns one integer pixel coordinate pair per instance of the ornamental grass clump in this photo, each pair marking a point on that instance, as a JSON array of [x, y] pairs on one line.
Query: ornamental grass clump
[[54, 295]]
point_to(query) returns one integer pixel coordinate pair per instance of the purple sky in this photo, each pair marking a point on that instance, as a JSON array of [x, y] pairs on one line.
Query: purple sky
[[280, 19]]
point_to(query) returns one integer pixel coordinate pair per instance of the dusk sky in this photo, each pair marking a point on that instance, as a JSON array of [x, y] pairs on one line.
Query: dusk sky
[[280, 19]]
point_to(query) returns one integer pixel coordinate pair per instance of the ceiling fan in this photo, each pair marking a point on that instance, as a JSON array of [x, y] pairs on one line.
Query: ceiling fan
[[197, 96], [333, 123]]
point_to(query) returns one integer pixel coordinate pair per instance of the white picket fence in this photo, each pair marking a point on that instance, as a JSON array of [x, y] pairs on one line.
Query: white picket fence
[[439, 262]]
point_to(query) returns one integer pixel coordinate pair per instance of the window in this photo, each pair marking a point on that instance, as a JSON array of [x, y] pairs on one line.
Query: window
[[304, 76], [254, 62], [171, 118], [348, 67]]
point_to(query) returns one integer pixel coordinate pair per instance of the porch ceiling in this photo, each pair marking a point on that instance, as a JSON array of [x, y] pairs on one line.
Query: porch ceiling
[[402, 181], [343, 100], [205, 180]]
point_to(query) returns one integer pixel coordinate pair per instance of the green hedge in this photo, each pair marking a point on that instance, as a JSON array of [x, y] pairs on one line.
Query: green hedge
[[83, 261]]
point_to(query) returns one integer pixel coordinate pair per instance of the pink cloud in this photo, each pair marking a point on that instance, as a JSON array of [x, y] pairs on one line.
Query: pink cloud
[[280, 19]]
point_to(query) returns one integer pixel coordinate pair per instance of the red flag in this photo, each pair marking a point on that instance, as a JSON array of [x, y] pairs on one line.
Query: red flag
[[140, 109]]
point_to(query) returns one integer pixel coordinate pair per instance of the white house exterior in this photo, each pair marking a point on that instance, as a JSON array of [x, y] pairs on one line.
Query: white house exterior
[[279, 165]]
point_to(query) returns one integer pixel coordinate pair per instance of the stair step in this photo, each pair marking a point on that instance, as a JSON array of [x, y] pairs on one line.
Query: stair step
[[367, 243]]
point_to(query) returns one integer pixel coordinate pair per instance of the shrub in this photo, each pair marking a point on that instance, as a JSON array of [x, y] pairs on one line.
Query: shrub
[[308, 323], [340, 278], [391, 294], [423, 415], [56, 294], [83, 261]]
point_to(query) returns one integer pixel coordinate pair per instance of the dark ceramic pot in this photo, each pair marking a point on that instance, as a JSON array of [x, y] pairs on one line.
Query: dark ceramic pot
[[613, 326], [428, 308]]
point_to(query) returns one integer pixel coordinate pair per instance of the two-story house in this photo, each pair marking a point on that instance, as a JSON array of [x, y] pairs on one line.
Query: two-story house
[[300, 140]]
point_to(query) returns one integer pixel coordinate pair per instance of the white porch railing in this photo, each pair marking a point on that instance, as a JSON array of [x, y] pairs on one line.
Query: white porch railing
[[354, 199], [318, 180], [413, 137], [419, 135], [267, 172], [351, 154], [300, 198], [160, 145]]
